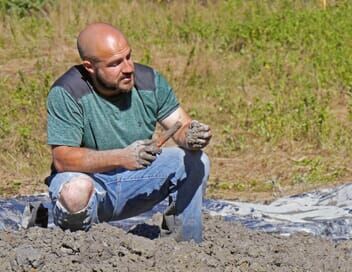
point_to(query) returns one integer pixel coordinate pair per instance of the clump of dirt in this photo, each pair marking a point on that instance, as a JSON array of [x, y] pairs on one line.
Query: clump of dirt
[[226, 247]]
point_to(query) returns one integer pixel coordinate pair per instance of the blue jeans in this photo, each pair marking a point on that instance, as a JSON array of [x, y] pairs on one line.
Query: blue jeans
[[122, 193]]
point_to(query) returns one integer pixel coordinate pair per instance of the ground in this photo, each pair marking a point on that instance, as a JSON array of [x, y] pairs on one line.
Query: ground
[[226, 247]]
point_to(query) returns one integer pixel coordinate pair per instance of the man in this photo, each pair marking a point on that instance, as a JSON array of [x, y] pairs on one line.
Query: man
[[101, 118]]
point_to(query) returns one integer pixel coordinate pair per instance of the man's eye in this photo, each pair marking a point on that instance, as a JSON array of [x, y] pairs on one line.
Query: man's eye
[[114, 64]]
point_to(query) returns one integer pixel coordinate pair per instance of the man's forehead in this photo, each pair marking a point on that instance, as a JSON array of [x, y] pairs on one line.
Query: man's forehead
[[116, 43], [112, 49]]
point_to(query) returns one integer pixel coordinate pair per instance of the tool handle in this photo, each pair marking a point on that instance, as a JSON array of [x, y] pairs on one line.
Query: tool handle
[[168, 134]]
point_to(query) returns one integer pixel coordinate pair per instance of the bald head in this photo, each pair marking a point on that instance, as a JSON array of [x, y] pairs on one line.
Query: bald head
[[106, 56], [99, 40]]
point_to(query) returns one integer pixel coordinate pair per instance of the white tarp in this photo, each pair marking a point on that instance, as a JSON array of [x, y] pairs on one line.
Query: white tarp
[[326, 212]]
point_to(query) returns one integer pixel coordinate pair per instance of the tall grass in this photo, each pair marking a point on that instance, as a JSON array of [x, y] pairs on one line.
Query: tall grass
[[268, 76]]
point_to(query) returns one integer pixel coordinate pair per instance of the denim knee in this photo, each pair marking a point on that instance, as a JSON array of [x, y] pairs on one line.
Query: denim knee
[[80, 220], [199, 161]]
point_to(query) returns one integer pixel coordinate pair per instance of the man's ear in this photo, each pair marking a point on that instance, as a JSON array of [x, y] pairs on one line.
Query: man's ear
[[88, 66]]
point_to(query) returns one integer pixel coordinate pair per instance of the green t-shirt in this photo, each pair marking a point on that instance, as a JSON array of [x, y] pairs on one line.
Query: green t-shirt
[[87, 119]]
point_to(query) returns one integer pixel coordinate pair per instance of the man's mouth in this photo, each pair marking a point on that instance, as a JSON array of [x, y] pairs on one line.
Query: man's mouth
[[127, 79]]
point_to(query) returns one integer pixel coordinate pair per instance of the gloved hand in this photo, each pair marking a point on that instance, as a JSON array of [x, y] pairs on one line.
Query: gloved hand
[[198, 135], [140, 154]]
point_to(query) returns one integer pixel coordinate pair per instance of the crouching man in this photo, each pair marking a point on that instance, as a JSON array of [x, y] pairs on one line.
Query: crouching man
[[101, 118]]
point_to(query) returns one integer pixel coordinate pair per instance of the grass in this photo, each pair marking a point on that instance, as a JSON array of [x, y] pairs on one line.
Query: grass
[[272, 78]]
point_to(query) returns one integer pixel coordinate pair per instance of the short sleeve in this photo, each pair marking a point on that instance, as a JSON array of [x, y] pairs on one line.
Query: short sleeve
[[65, 118], [165, 96]]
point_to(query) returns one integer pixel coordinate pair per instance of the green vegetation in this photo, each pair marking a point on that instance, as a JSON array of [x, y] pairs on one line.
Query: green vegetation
[[272, 78], [22, 7]]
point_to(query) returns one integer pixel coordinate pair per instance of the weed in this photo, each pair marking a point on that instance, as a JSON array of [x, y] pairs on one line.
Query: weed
[[22, 7]]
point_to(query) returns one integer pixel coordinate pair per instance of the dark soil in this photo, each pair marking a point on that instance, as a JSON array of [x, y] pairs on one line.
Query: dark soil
[[226, 247]]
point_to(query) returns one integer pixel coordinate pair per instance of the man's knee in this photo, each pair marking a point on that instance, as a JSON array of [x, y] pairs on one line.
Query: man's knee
[[206, 162], [198, 161], [76, 193], [186, 163]]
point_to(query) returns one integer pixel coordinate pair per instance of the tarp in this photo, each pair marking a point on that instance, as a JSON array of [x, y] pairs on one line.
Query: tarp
[[326, 213]]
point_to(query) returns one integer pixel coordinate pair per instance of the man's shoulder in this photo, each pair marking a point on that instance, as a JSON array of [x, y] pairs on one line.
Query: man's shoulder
[[75, 81], [144, 77]]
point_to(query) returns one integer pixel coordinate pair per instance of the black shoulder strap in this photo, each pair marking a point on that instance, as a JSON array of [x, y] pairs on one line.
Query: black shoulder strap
[[145, 77], [76, 81]]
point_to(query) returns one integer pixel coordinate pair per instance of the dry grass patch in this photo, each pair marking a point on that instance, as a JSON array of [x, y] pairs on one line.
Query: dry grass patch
[[272, 78]]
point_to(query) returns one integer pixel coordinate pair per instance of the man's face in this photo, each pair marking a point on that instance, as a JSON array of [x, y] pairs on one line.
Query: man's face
[[115, 74]]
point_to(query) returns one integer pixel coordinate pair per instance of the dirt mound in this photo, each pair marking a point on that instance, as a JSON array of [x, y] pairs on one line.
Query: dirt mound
[[226, 247]]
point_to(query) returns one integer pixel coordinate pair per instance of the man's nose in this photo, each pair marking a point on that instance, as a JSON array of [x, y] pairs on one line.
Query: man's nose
[[128, 66]]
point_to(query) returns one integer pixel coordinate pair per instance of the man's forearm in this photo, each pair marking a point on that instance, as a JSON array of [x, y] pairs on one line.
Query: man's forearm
[[180, 136], [78, 159]]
